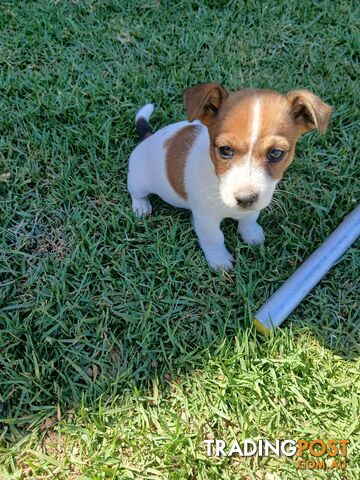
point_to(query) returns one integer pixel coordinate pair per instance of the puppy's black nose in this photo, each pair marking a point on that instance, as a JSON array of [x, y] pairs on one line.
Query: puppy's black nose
[[247, 201]]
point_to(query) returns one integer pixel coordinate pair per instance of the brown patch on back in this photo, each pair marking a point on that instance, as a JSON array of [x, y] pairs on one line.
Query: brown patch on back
[[177, 149]]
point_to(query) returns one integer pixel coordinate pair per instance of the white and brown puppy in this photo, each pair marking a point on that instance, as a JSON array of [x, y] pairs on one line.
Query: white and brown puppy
[[225, 161]]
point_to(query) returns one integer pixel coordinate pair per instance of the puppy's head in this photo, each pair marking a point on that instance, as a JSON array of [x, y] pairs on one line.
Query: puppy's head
[[253, 134]]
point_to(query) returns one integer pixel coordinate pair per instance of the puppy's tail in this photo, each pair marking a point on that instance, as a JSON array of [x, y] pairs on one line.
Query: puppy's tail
[[141, 121]]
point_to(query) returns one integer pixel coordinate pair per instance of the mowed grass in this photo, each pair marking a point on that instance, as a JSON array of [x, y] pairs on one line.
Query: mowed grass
[[120, 351]]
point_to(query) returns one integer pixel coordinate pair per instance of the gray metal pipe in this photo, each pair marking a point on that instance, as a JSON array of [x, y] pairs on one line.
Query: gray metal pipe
[[298, 285]]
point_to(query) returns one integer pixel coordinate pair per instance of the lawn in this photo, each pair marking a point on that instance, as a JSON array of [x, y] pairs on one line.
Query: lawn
[[120, 351]]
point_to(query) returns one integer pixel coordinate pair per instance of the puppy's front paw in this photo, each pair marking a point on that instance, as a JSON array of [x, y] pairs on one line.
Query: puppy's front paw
[[253, 235], [222, 260], [141, 207]]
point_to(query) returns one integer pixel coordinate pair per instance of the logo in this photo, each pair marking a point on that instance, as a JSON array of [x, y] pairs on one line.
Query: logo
[[308, 454]]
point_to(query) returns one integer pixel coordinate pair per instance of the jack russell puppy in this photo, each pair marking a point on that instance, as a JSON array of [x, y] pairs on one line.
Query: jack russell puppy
[[225, 161]]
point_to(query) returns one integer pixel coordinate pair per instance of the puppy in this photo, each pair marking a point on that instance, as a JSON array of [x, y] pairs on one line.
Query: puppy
[[225, 161]]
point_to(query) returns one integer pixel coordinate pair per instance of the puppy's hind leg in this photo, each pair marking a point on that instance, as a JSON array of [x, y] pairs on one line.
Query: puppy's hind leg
[[140, 202], [141, 207], [139, 195], [138, 184]]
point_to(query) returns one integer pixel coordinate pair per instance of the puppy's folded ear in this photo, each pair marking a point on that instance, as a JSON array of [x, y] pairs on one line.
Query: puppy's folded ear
[[309, 111], [203, 101]]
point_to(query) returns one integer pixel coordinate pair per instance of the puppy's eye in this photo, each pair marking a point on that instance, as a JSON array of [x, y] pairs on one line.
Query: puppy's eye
[[226, 152], [275, 155]]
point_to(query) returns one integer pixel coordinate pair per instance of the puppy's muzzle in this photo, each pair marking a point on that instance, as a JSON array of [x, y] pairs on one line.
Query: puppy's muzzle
[[247, 201]]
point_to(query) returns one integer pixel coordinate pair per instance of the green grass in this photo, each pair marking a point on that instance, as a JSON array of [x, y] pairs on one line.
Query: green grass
[[120, 351]]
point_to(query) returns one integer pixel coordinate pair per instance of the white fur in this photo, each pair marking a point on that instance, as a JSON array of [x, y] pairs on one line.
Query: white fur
[[255, 127], [145, 112], [242, 180], [209, 198]]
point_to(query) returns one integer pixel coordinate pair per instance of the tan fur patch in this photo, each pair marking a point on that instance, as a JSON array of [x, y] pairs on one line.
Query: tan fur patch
[[233, 127], [177, 149]]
